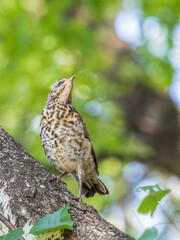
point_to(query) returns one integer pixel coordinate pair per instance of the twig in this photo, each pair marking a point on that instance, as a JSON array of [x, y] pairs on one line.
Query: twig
[[171, 220], [8, 224], [137, 219]]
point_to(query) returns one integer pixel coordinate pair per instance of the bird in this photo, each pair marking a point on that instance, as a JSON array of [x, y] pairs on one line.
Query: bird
[[66, 141]]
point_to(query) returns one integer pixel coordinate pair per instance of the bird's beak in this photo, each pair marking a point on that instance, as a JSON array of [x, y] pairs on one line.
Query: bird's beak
[[69, 80], [72, 78]]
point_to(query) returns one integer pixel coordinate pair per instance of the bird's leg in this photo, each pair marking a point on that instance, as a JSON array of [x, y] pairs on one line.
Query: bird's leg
[[58, 178], [80, 186], [79, 195]]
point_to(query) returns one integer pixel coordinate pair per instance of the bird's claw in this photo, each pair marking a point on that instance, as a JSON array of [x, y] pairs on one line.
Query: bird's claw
[[58, 180], [77, 198]]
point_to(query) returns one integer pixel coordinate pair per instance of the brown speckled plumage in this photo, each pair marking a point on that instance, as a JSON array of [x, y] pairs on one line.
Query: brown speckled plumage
[[66, 142]]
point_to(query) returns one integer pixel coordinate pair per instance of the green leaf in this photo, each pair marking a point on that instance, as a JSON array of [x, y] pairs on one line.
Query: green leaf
[[151, 189], [149, 234], [52, 234], [149, 204], [57, 220], [13, 235]]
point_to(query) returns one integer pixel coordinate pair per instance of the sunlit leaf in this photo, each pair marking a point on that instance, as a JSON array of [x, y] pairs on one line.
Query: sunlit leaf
[[149, 204], [57, 220]]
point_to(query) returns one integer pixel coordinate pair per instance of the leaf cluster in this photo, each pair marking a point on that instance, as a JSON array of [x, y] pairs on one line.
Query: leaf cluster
[[56, 221]]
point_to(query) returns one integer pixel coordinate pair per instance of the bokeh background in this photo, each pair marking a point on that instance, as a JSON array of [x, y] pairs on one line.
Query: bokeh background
[[126, 58]]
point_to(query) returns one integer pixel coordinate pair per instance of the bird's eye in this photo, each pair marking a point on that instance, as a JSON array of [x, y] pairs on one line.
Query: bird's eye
[[59, 83]]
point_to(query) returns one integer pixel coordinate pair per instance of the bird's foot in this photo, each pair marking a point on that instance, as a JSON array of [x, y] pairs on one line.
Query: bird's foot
[[78, 197], [58, 179]]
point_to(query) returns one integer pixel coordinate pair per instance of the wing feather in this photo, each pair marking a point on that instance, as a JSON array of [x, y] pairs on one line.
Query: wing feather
[[86, 134]]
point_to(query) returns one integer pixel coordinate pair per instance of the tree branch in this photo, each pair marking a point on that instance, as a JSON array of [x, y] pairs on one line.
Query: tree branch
[[8, 224], [156, 120], [26, 196]]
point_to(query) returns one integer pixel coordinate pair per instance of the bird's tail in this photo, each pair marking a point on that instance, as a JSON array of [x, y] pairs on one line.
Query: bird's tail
[[89, 188]]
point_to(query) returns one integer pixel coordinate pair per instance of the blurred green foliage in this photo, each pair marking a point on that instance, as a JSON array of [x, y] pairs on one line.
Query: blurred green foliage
[[42, 41], [149, 234]]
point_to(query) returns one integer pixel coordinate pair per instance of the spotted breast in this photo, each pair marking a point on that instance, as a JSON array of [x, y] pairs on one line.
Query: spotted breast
[[64, 140]]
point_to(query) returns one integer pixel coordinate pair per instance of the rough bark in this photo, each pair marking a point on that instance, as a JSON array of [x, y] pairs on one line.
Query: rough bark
[[26, 196]]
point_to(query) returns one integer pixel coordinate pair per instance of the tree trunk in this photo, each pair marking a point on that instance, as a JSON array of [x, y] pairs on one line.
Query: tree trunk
[[156, 120], [26, 196]]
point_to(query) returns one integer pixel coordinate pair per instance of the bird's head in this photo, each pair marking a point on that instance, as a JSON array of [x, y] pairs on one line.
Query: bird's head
[[62, 91]]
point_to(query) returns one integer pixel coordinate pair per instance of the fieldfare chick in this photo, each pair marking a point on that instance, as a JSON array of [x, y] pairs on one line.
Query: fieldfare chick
[[66, 141]]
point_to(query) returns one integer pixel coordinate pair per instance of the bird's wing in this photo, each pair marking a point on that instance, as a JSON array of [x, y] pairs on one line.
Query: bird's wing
[[92, 148], [86, 134]]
